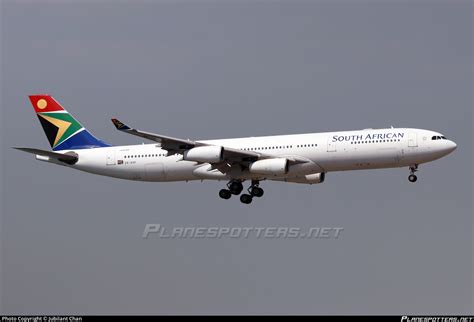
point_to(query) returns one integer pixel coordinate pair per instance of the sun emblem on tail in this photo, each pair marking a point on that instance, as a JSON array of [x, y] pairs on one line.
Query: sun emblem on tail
[[41, 104]]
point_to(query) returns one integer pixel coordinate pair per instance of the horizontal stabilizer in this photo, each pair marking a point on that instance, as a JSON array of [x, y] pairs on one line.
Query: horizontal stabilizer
[[66, 158]]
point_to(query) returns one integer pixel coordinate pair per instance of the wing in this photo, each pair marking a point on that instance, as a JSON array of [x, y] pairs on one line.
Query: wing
[[66, 158], [175, 145], [166, 142]]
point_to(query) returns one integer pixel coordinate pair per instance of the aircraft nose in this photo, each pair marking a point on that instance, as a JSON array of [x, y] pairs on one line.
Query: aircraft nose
[[451, 146]]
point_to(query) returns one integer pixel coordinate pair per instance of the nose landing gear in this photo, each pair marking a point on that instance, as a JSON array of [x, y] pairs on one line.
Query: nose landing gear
[[412, 177]]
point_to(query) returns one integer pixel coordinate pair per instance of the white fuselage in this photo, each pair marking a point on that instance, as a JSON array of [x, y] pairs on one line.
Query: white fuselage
[[330, 151]]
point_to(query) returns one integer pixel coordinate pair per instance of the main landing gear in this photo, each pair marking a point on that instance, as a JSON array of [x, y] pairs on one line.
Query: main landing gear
[[225, 194], [412, 177], [235, 187], [255, 190]]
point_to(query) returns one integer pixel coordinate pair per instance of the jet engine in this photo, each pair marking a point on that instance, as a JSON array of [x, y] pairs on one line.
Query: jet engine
[[273, 167], [209, 154], [309, 178]]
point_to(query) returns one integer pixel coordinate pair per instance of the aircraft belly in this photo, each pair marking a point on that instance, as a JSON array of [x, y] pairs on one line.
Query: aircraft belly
[[154, 171], [384, 157]]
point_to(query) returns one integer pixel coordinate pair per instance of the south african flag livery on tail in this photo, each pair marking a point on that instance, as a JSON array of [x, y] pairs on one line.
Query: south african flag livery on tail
[[63, 131]]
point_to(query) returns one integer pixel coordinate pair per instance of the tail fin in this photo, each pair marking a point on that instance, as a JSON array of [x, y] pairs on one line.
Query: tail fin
[[61, 128]]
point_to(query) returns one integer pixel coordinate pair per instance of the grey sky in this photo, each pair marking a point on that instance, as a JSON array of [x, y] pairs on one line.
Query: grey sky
[[71, 242]]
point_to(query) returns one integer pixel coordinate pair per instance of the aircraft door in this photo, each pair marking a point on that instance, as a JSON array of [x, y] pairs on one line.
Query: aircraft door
[[331, 145], [110, 157], [412, 139]]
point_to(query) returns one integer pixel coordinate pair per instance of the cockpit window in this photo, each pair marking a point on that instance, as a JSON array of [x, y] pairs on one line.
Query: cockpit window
[[434, 138], [444, 138], [438, 137]]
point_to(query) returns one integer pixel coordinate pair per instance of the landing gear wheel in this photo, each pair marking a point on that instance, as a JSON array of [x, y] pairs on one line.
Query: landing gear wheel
[[246, 199], [235, 187], [256, 191], [412, 177], [225, 194]]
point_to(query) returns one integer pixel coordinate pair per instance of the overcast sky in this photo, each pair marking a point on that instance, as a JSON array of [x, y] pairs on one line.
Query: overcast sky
[[71, 242]]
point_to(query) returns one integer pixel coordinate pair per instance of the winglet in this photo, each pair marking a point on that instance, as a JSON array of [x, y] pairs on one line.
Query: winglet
[[120, 126]]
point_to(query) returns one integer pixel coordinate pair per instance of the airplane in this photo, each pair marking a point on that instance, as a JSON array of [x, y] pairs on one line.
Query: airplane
[[295, 158]]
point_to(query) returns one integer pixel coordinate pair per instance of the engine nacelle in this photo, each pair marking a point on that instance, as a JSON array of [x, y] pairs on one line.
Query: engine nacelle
[[272, 167], [301, 169], [309, 178], [210, 154]]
